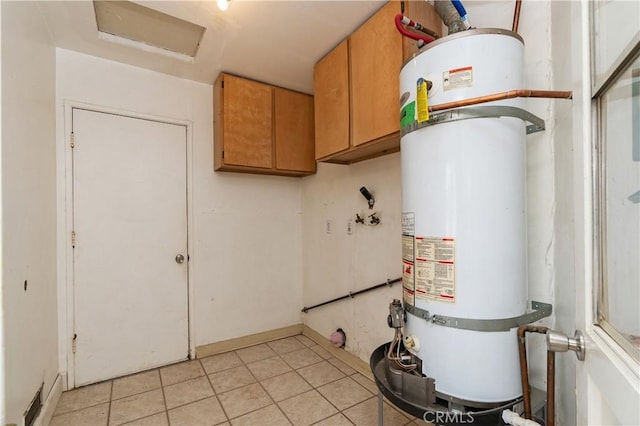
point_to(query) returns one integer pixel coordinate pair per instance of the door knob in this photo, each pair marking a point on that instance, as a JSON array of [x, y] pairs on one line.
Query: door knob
[[179, 258], [558, 342]]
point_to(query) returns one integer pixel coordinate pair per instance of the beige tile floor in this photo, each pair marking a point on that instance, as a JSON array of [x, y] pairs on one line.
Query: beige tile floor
[[291, 381]]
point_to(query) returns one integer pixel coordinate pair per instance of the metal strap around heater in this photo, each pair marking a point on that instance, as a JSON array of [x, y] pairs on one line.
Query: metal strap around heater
[[537, 124], [541, 310]]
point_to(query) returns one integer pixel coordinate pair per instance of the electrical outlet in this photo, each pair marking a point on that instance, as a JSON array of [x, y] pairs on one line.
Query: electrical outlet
[[328, 226], [349, 227]]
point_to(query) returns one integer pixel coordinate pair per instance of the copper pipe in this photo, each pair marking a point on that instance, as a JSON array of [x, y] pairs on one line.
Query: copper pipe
[[551, 388], [516, 16], [524, 372], [524, 369], [522, 93]]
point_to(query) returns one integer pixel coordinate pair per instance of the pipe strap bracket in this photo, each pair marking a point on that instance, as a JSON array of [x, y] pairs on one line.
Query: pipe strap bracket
[[466, 113], [540, 310]]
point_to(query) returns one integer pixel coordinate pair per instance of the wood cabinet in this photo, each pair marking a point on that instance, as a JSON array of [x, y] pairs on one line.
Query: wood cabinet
[[259, 128], [294, 135], [375, 60], [356, 86], [245, 126], [331, 99]]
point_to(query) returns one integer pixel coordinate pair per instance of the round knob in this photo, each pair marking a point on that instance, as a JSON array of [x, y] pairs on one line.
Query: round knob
[[179, 258]]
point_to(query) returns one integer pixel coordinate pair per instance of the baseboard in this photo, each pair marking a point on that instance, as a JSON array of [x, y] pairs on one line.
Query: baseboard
[[244, 341], [50, 404], [347, 357]]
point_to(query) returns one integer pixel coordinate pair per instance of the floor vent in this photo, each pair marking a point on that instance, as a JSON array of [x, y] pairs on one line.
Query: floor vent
[[33, 411]]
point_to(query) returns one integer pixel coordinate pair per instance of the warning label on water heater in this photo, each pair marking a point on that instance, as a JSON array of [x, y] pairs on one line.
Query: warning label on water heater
[[407, 248], [457, 78], [408, 255], [408, 223], [408, 282], [435, 269]]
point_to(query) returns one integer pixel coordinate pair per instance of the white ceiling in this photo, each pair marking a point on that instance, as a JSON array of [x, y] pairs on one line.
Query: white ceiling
[[276, 42]]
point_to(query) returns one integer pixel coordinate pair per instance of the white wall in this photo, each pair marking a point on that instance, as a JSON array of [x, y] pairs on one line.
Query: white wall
[[338, 263], [28, 208], [565, 54], [246, 252]]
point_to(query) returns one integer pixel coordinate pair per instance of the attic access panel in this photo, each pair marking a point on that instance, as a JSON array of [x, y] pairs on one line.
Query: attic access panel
[[131, 21]]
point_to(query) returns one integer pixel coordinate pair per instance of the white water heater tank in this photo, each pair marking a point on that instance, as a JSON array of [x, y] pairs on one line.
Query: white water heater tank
[[464, 213]]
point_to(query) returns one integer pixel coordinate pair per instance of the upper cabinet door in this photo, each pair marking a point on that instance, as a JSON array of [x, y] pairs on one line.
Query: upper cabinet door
[[375, 59], [331, 91], [294, 131], [248, 118]]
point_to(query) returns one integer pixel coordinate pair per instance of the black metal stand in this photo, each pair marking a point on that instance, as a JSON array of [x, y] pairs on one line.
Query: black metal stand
[[438, 413]]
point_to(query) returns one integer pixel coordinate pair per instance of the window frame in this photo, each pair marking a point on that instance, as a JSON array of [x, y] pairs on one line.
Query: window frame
[[599, 88]]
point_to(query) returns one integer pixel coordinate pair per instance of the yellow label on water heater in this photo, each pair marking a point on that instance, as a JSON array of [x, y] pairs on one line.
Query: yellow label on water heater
[[422, 101]]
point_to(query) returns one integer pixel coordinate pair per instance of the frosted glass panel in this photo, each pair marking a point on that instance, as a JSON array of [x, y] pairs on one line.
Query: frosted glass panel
[[616, 30], [621, 210]]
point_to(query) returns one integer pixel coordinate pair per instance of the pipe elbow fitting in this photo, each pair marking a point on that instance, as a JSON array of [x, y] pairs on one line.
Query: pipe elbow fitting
[[450, 16]]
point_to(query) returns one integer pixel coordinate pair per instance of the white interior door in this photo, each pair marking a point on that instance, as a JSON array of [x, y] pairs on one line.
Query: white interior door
[[130, 223], [608, 290]]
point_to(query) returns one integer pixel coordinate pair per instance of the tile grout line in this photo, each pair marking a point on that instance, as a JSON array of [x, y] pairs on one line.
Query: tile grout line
[[269, 395], [184, 381], [181, 381], [164, 398], [274, 403], [205, 375], [110, 400], [297, 371], [279, 355], [323, 397], [223, 369], [263, 388], [312, 387], [233, 388], [345, 374], [215, 394], [353, 405], [301, 334], [147, 371], [333, 381], [135, 393], [77, 389], [78, 409], [261, 359], [329, 382]]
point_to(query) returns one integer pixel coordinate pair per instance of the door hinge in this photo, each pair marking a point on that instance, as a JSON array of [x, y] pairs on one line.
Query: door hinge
[[73, 239], [73, 140], [73, 343], [223, 155]]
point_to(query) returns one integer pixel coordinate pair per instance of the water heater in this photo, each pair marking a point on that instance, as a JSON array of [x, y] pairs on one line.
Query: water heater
[[464, 213]]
